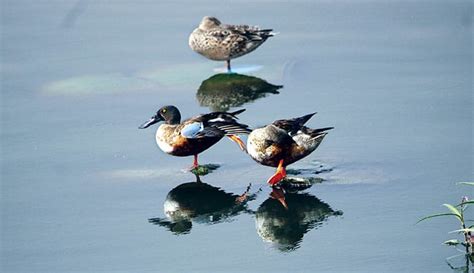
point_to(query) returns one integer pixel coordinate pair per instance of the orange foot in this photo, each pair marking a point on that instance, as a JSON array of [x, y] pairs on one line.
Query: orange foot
[[279, 194], [279, 174], [238, 140]]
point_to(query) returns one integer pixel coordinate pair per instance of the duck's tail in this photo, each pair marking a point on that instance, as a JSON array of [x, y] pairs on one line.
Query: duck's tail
[[292, 126], [235, 113], [268, 32], [227, 122], [317, 132]]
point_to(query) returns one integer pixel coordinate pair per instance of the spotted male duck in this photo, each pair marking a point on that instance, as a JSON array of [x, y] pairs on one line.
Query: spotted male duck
[[221, 42], [284, 142], [194, 135]]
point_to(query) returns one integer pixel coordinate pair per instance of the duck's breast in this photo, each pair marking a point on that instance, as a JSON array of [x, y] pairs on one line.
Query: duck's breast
[[210, 45], [263, 149], [166, 138], [170, 141]]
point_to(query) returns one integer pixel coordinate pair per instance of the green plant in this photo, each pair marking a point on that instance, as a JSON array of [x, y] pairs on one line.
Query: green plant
[[458, 212]]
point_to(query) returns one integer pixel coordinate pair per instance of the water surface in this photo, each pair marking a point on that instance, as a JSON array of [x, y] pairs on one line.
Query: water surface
[[81, 184]]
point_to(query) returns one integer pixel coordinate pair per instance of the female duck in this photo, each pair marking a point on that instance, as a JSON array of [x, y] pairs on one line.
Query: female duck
[[220, 42], [284, 142], [194, 135]]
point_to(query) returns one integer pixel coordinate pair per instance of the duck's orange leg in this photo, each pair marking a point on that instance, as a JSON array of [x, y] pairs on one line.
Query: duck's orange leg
[[195, 162], [244, 196], [279, 174], [238, 140]]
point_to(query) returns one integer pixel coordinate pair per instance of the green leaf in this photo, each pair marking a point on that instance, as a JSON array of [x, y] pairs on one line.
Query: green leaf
[[454, 210], [436, 215], [464, 230], [452, 242], [466, 183], [465, 203]]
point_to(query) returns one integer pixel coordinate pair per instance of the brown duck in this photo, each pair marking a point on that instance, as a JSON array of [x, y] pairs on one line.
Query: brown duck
[[221, 42], [284, 142], [194, 135]]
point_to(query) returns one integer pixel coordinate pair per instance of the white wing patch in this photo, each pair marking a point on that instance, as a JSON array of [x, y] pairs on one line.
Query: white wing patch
[[217, 119], [191, 130]]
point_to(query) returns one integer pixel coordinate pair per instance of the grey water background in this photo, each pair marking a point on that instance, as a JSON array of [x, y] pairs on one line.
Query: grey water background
[[79, 181]]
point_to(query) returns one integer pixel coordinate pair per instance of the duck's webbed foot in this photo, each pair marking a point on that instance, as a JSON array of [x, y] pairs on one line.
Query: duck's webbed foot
[[279, 174], [239, 141]]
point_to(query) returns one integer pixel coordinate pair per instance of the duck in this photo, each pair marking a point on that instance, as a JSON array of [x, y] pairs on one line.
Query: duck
[[221, 42], [284, 142], [196, 134]]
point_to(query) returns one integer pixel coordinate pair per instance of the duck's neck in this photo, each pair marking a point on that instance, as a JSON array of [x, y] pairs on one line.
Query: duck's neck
[[175, 119]]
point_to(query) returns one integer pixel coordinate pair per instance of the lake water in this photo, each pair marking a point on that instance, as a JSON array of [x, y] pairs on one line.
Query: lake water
[[83, 190]]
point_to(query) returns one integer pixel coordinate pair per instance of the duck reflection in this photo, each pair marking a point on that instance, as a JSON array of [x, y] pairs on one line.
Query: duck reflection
[[200, 203], [223, 91], [285, 226]]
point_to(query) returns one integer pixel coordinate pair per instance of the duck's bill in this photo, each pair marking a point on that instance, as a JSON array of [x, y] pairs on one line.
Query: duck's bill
[[150, 122]]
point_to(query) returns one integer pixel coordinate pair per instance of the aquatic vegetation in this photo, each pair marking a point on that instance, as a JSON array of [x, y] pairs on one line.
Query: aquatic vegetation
[[458, 212], [205, 169], [103, 84], [294, 184]]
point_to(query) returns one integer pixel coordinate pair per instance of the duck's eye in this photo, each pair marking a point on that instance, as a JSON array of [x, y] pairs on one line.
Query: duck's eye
[[163, 111]]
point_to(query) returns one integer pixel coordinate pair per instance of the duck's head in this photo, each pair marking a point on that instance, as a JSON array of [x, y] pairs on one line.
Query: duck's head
[[209, 22], [169, 114]]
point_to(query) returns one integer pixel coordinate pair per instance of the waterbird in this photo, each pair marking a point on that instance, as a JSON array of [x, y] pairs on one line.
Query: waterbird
[[221, 42], [194, 135], [284, 142]]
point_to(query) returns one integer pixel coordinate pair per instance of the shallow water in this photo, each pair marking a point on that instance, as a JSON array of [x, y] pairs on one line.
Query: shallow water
[[81, 184]]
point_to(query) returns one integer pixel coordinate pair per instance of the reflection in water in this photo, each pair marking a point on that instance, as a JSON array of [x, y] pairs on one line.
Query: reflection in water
[[200, 203], [285, 227], [222, 91]]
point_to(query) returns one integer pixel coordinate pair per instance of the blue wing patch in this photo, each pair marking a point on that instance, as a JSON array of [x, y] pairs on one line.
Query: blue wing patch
[[192, 130]]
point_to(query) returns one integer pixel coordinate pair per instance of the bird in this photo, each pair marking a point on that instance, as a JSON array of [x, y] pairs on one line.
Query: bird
[[284, 142], [221, 42], [196, 134]]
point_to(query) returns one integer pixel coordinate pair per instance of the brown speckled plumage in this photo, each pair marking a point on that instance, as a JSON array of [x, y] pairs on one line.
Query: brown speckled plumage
[[288, 140], [221, 42]]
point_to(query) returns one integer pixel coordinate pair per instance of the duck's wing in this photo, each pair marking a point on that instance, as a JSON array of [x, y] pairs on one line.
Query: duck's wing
[[239, 39], [252, 33], [215, 124], [277, 135], [292, 126], [239, 33]]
